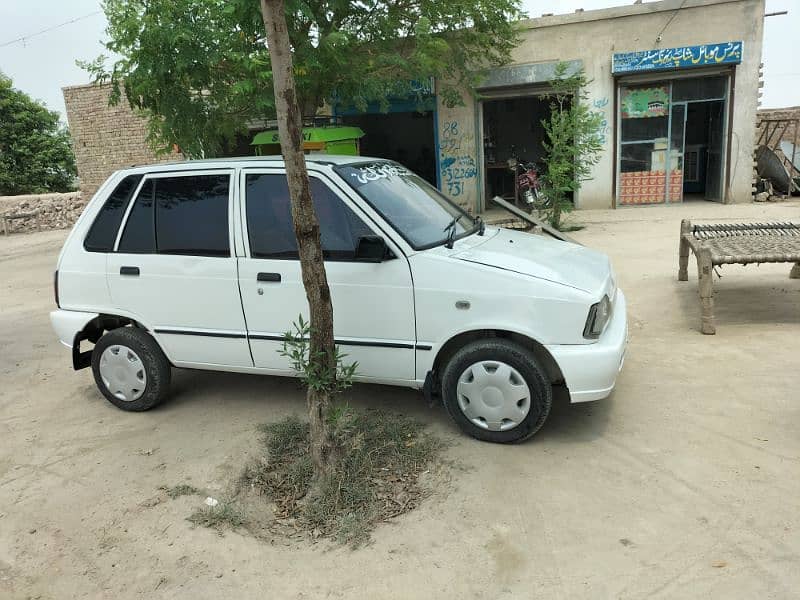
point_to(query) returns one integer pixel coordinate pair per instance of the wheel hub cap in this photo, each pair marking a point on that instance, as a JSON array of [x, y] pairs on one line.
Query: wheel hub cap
[[493, 395], [122, 372]]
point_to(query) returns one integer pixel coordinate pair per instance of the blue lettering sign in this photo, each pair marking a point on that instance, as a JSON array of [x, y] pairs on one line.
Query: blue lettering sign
[[724, 53]]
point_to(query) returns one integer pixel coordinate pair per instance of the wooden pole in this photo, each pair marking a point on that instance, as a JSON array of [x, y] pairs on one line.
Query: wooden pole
[[683, 251], [705, 272]]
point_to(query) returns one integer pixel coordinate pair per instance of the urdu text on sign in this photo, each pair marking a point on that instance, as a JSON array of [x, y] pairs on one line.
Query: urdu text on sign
[[677, 58]]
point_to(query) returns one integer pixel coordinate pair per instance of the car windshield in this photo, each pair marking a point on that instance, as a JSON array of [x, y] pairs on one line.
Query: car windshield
[[416, 209]]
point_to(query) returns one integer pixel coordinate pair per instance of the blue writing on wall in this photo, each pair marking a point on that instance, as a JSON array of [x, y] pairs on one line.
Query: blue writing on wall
[[455, 163], [600, 105]]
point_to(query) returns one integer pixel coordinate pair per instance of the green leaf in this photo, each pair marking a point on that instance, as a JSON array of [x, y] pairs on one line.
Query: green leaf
[[200, 69]]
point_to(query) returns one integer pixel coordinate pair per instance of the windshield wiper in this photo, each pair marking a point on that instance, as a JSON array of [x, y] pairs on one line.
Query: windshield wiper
[[451, 229]]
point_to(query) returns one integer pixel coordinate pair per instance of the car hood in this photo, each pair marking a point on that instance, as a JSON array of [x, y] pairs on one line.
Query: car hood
[[541, 257]]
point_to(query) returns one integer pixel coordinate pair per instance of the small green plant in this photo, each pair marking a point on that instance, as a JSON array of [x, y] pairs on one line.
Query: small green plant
[[224, 515], [313, 370], [572, 142], [182, 489]]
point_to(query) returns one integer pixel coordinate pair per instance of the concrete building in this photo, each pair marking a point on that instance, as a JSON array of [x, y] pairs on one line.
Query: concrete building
[[679, 117], [676, 81]]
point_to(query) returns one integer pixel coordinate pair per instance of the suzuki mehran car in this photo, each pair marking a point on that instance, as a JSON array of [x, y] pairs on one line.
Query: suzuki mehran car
[[194, 265]]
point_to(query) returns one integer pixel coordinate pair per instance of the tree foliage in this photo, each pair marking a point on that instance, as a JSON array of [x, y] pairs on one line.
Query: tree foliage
[[572, 141], [202, 67], [35, 151]]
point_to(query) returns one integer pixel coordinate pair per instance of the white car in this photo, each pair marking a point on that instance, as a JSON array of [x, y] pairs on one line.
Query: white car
[[195, 265]]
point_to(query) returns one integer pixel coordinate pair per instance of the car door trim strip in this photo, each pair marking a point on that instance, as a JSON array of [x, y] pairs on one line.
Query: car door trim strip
[[279, 338], [217, 334]]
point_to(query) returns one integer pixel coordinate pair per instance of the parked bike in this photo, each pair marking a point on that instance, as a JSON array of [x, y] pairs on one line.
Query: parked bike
[[529, 184]]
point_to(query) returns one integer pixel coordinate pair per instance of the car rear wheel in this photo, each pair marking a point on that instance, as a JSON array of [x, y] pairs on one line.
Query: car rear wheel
[[130, 369], [496, 391]]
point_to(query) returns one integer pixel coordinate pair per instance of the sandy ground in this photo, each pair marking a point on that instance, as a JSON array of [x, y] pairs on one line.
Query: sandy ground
[[683, 484]]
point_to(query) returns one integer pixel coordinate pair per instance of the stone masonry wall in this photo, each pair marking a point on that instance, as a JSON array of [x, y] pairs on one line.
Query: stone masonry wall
[[105, 138], [56, 211]]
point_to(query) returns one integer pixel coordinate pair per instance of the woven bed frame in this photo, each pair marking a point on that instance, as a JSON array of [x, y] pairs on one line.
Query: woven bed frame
[[740, 243]]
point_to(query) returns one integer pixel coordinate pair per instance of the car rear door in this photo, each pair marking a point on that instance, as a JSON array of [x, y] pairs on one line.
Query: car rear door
[[174, 269], [373, 304]]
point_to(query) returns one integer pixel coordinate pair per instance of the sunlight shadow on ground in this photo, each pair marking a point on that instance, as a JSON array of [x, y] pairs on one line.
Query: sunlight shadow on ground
[[201, 390]]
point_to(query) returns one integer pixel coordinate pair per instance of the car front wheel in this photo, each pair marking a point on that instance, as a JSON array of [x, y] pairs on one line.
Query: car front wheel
[[130, 369], [496, 391]]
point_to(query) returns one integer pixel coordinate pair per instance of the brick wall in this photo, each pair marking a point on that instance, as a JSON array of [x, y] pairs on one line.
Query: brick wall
[[105, 138], [780, 113]]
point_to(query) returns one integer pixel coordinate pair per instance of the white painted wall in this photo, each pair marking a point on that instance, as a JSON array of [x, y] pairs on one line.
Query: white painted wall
[[593, 37]]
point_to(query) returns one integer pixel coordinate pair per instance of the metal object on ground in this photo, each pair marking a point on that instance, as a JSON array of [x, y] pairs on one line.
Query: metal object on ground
[[533, 221], [772, 168], [734, 243]]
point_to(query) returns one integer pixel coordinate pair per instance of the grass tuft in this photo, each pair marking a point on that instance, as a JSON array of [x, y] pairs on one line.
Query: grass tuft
[[224, 515], [376, 475], [182, 489]]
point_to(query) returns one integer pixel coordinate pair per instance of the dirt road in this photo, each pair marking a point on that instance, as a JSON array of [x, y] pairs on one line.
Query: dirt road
[[683, 484]]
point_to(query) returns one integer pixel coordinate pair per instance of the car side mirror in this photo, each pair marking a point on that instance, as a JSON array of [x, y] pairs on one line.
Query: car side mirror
[[372, 248]]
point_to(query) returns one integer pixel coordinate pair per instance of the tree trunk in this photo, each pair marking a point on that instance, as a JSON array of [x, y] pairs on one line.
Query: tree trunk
[[306, 226]]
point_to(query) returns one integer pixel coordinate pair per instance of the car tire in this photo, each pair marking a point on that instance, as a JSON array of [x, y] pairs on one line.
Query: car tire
[[130, 369], [496, 391]]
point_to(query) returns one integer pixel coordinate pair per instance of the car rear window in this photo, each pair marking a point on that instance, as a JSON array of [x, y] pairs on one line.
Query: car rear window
[[139, 236], [103, 231]]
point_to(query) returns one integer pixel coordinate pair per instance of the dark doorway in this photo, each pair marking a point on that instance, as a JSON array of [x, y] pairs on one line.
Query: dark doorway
[[512, 129], [406, 137], [703, 152]]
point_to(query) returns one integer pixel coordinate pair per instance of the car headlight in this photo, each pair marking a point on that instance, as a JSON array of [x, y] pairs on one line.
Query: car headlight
[[598, 317]]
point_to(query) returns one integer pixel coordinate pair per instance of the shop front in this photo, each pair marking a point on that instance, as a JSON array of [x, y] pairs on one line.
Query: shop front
[[404, 129], [673, 112]]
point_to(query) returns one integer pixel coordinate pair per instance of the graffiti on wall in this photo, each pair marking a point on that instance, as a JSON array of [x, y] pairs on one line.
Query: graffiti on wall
[[456, 162], [601, 105]]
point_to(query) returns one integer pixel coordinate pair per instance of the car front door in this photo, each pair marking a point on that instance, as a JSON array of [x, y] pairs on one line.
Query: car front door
[[373, 304], [173, 268]]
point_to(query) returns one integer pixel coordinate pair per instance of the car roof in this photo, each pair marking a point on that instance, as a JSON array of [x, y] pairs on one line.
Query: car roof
[[247, 161]]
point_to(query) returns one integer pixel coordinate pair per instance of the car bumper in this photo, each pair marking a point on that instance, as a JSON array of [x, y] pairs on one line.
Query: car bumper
[[68, 323], [590, 370]]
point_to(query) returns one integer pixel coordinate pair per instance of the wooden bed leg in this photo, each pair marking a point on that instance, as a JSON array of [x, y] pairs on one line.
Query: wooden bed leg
[[705, 272], [683, 251], [795, 272]]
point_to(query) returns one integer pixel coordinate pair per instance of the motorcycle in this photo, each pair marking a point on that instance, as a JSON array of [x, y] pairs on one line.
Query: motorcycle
[[529, 184]]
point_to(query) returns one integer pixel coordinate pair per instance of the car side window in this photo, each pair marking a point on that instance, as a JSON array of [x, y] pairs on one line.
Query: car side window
[[103, 232], [180, 215], [270, 227], [192, 215]]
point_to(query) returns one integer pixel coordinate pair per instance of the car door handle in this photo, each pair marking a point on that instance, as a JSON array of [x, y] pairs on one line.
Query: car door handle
[[129, 271], [274, 277]]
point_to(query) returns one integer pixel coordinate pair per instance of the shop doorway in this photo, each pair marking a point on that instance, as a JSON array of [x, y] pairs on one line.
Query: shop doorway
[[672, 141], [407, 137], [512, 130], [702, 153]]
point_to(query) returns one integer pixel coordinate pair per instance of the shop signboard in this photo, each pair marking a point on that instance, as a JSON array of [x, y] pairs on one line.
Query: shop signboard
[[659, 59]]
